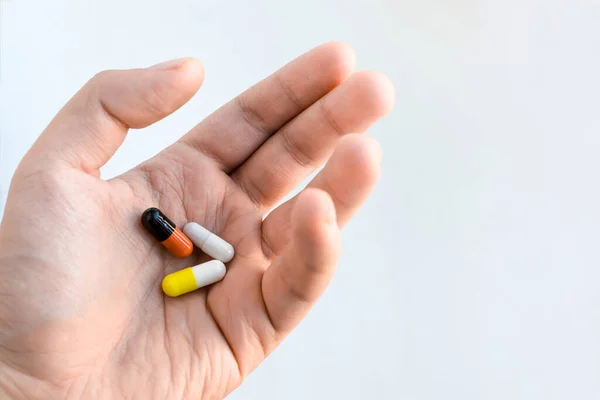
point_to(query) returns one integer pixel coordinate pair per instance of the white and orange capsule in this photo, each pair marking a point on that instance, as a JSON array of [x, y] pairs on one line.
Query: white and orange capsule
[[165, 231]]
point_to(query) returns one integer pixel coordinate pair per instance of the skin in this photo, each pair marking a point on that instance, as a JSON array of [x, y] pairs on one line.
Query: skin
[[81, 310]]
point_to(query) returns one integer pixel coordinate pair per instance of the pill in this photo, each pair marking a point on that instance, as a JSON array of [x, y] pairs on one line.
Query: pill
[[210, 243], [192, 278], [165, 231]]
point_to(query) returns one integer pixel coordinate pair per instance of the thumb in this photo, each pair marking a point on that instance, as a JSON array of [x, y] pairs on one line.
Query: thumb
[[90, 128]]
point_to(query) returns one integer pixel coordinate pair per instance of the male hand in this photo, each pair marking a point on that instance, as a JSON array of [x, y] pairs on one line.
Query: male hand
[[82, 315]]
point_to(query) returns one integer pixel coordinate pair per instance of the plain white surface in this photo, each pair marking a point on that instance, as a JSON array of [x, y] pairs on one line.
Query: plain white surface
[[473, 271]]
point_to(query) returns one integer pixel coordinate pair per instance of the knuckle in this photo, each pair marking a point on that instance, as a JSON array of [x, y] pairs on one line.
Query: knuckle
[[297, 152], [295, 289], [289, 93], [327, 113], [102, 77], [251, 116]]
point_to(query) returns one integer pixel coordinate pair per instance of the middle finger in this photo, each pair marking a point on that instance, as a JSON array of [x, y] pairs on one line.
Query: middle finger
[[308, 140]]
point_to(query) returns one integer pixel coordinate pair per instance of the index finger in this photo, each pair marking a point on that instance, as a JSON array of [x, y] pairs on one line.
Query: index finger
[[236, 130]]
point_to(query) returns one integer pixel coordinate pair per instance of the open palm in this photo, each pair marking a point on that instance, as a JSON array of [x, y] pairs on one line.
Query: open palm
[[81, 311]]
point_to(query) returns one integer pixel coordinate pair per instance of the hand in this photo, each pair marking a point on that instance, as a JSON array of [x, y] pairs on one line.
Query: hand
[[81, 311]]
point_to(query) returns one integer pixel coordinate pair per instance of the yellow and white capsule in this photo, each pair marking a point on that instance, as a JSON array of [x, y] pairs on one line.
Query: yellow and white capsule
[[192, 278]]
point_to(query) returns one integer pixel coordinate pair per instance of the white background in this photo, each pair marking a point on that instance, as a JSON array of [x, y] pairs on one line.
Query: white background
[[473, 271]]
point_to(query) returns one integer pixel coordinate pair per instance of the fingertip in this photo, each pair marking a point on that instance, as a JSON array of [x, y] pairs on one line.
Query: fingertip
[[187, 75], [163, 89], [377, 92], [372, 148], [314, 214], [316, 235], [363, 155], [343, 52], [338, 58], [183, 70], [192, 69]]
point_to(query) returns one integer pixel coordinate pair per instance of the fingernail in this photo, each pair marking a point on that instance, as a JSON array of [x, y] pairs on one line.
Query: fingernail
[[167, 65]]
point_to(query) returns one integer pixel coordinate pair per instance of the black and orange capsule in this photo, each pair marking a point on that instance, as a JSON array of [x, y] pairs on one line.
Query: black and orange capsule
[[165, 231]]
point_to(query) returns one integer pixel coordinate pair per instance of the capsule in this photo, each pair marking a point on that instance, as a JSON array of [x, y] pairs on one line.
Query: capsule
[[192, 278], [165, 231], [208, 242]]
